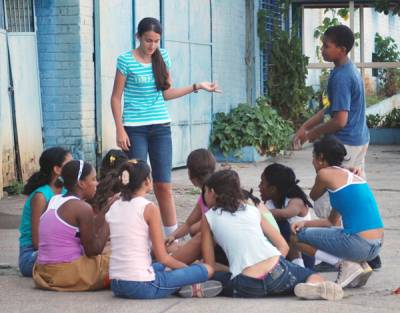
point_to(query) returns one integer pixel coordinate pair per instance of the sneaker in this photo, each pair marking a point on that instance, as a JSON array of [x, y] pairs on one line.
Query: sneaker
[[375, 263], [325, 267], [363, 278], [208, 289], [326, 290], [348, 271]]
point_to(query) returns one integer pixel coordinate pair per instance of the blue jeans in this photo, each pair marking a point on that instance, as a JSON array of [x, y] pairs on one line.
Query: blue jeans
[[26, 260], [280, 281], [154, 140], [164, 284], [284, 227], [335, 241]]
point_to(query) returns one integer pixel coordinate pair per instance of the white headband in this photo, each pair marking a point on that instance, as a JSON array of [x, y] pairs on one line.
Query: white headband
[[80, 169]]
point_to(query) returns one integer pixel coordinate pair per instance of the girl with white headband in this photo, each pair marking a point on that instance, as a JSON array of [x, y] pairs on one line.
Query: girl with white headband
[[72, 237]]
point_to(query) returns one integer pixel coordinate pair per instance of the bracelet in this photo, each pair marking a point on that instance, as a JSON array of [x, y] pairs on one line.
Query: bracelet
[[195, 90]]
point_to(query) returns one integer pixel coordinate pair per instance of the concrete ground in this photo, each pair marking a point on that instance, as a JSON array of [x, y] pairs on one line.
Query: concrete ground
[[17, 294]]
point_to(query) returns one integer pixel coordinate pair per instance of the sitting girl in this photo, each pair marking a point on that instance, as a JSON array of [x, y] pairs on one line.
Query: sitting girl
[[360, 239], [135, 230], [287, 202], [40, 187], [257, 265], [71, 237]]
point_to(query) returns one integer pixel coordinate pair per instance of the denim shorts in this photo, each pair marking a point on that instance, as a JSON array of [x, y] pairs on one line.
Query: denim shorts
[[155, 141], [164, 284], [26, 260], [280, 281], [335, 241]]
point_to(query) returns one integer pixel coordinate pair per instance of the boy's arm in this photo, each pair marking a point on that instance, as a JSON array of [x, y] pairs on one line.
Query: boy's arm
[[336, 123], [301, 135]]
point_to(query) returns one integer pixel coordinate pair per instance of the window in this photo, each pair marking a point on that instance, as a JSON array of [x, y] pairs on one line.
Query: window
[[19, 15], [274, 16]]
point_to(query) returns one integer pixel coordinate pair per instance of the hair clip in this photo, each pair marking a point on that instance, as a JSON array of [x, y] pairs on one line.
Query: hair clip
[[112, 159], [125, 177], [133, 161]]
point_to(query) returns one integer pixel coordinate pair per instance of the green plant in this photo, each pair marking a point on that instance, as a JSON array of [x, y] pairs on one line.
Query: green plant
[[287, 77], [387, 6], [373, 120], [390, 120], [259, 126], [15, 188], [386, 50]]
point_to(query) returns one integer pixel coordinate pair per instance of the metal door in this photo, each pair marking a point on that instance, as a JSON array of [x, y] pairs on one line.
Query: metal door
[[7, 154], [28, 111], [113, 36], [188, 40]]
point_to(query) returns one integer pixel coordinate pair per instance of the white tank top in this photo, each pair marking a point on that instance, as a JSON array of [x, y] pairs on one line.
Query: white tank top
[[130, 241], [241, 237], [270, 205]]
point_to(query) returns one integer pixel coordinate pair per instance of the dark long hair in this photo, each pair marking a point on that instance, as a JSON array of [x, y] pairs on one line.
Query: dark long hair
[[201, 164], [51, 157], [284, 180], [226, 185], [330, 149], [137, 172], [112, 161], [159, 68]]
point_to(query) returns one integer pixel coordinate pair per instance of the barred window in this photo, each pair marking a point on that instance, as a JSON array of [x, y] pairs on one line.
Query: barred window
[[2, 16], [19, 15], [274, 16]]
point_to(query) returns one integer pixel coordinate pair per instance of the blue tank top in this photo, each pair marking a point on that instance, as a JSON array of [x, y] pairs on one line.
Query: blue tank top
[[25, 228], [357, 206]]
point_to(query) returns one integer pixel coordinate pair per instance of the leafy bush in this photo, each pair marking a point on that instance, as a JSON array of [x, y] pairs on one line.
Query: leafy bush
[[287, 77], [386, 50], [390, 120], [259, 126]]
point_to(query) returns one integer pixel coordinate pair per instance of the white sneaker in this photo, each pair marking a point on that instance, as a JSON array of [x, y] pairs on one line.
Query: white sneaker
[[326, 290], [363, 278], [208, 289], [348, 271]]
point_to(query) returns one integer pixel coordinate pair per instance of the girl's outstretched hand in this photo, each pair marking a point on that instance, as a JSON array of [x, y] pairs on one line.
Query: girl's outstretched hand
[[210, 87], [297, 226]]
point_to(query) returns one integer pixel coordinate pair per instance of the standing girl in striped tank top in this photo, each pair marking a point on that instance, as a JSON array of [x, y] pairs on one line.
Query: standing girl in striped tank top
[[143, 124]]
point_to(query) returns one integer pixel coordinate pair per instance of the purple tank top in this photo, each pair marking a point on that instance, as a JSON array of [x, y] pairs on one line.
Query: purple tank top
[[58, 240]]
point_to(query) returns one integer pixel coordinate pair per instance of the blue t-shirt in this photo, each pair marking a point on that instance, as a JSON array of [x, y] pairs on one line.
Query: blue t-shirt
[[346, 93], [143, 103]]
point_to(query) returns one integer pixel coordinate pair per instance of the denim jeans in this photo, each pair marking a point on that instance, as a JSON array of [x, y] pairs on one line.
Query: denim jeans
[[335, 241], [280, 281], [284, 228], [164, 284], [26, 260], [154, 140]]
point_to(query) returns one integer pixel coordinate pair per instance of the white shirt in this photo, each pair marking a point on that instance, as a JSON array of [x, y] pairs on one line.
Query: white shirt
[[241, 237], [130, 241]]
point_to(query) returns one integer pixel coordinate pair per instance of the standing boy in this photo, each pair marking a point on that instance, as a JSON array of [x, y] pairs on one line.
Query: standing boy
[[346, 109]]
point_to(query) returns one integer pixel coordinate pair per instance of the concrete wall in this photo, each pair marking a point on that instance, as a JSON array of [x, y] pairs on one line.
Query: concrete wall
[[65, 43]]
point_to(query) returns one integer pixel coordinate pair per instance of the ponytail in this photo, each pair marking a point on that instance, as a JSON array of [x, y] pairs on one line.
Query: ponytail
[[49, 158], [160, 71]]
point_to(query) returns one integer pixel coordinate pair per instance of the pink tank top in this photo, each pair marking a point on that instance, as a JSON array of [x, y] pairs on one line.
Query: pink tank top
[[202, 205], [59, 241]]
